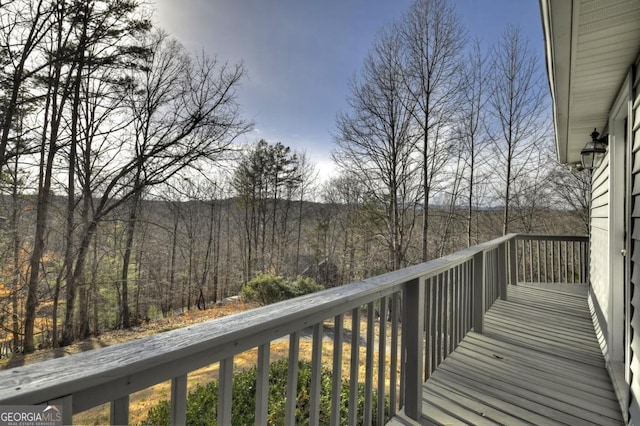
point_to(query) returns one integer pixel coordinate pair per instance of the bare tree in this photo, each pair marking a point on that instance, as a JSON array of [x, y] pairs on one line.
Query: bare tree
[[518, 101], [532, 192], [154, 88], [308, 176], [57, 81], [470, 126], [23, 28], [572, 191], [433, 39], [345, 197], [198, 123], [376, 141]]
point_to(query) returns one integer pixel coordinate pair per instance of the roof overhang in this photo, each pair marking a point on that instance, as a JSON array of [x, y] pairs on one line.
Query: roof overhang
[[590, 47]]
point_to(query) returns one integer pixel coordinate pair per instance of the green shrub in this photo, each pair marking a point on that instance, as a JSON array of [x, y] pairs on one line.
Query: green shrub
[[267, 288], [202, 401]]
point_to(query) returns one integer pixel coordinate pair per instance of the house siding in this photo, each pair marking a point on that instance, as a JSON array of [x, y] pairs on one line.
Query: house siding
[[634, 308], [599, 257]]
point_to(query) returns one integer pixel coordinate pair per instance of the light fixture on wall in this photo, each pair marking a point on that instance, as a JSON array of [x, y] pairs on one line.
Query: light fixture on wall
[[593, 152]]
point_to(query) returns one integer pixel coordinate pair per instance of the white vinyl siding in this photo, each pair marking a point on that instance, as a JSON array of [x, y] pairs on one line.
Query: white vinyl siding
[[634, 406], [599, 259]]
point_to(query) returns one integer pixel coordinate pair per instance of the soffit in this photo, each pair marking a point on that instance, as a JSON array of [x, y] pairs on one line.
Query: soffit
[[590, 46]]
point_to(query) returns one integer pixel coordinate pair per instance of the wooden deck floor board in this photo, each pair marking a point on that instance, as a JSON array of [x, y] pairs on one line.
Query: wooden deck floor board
[[538, 367], [508, 397], [561, 390], [537, 362], [535, 327], [523, 355], [539, 376], [482, 400], [495, 409], [524, 389]]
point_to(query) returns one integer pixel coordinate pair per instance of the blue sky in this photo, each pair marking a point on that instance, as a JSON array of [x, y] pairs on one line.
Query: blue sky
[[300, 54]]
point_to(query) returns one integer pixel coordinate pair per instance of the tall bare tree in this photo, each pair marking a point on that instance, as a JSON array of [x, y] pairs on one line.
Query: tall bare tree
[[433, 38], [471, 126], [57, 80], [308, 177], [572, 189], [23, 28], [518, 102], [151, 90], [376, 141]]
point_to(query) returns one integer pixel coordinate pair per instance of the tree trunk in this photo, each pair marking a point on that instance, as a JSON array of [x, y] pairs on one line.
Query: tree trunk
[[126, 259]]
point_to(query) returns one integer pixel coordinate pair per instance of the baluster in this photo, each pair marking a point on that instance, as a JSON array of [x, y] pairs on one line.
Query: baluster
[[573, 261], [427, 326], [523, 245], [292, 380], [452, 311], [531, 261], [478, 291], [178, 401], [455, 323], [368, 372], [382, 357], [439, 309], [120, 411], [553, 261], [566, 261], [433, 322], [445, 317], [262, 384], [393, 373], [336, 385], [470, 299], [355, 365], [225, 391], [316, 371], [502, 270], [513, 264], [546, 262], [538, 265]]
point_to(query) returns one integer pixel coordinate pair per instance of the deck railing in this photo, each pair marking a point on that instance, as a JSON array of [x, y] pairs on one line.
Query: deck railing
[[448, 296], [552, 259]]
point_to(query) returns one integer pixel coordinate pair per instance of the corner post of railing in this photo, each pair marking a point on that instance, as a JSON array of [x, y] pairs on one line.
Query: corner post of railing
[[478, 291], [502, 269], [513, 262], [414, 292]]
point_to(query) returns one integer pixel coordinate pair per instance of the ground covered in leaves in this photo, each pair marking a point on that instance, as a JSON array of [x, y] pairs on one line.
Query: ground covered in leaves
[[118, 336]]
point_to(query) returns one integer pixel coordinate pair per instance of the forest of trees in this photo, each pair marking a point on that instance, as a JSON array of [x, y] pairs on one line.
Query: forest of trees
[[125, 195]]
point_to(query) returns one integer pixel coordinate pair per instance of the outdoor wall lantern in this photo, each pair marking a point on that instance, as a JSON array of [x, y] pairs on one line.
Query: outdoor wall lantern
[[593, 152]]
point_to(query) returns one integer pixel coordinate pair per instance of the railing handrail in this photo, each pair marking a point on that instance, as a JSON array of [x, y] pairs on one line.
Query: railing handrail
[[544, 237], [106, 374]]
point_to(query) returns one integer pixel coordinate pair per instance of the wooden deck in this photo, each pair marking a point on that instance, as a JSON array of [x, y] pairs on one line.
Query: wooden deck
[[538, 362]]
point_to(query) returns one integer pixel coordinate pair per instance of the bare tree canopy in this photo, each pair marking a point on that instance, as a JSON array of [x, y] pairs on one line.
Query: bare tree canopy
[[433, 39], [518, 103], [376, 141]]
